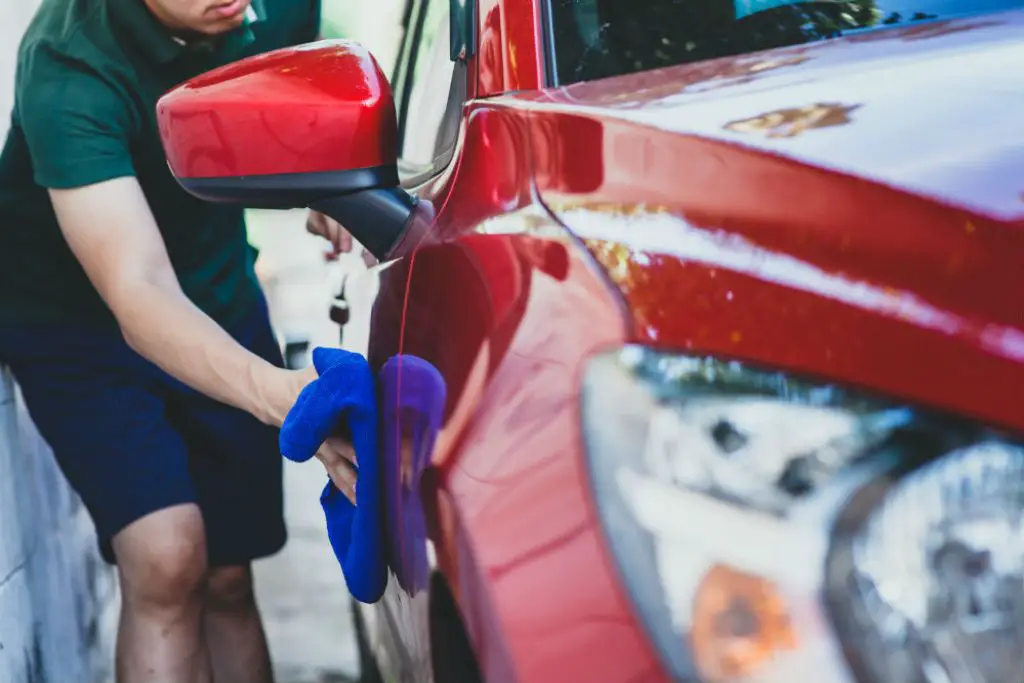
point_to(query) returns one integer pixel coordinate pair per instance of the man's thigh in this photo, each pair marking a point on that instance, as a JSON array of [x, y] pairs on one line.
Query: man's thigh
[[237, 470], [235, 463]]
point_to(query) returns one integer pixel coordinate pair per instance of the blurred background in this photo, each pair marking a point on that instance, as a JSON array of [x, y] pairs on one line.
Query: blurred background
[[52, 591]]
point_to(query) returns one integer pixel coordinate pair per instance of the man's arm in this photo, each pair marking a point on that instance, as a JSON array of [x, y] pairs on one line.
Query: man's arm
[[113, 234], [81, 151]]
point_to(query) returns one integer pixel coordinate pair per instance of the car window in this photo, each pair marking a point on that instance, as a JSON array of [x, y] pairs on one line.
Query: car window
[[600, 38], [436, 88]]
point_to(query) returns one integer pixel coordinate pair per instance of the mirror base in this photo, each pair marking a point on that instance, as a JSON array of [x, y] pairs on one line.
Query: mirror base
[[287, 191], [376, 218]]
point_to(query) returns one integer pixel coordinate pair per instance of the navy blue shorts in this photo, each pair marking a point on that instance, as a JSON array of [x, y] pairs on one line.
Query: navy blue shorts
[[132, 440]]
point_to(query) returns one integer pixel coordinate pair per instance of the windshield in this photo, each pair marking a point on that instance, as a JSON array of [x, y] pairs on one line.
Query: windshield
[[600, 38]]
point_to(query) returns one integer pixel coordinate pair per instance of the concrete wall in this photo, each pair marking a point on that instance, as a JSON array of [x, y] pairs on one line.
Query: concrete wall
[[57, 598]]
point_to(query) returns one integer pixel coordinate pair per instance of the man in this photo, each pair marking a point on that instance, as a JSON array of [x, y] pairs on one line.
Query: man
[[131, 317]]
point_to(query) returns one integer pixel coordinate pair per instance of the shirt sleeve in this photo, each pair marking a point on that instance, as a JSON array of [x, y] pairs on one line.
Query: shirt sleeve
[[76, 125]]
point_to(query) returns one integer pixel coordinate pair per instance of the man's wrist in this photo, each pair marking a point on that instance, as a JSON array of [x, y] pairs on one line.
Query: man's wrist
[[278, 390]]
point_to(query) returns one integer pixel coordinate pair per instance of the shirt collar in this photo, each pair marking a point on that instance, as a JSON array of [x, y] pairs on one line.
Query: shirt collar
[[137, 25]]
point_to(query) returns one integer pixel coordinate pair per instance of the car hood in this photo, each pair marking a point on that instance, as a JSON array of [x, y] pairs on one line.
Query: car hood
[[934, 108], [852, 209]]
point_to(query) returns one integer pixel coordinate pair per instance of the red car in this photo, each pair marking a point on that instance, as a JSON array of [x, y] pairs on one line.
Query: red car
[[700, 328]]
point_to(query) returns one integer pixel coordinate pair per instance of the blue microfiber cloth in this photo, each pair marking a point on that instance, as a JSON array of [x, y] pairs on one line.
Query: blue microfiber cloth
[[344, 397]]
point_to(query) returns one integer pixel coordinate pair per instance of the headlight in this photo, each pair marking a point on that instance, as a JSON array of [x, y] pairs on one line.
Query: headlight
[[772, 530]]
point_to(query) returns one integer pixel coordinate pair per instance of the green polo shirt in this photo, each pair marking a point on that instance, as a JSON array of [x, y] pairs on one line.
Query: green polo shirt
[[89, 75]]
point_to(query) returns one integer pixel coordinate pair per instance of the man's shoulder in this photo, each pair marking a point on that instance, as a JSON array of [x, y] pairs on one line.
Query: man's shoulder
[[69, 37], [71, 97]]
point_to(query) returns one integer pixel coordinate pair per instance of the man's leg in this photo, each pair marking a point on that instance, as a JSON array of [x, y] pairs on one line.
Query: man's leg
[[102, 410], [234, 631], [237, 470], [162, 565]]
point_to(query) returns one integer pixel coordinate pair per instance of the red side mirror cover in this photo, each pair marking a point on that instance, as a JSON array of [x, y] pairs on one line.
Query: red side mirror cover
[[325, 107]]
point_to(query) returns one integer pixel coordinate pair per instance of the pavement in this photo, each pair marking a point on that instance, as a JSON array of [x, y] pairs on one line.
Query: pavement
[[301, 590]]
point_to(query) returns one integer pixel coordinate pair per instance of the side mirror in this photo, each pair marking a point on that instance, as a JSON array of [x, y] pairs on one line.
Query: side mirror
[[310, 126]]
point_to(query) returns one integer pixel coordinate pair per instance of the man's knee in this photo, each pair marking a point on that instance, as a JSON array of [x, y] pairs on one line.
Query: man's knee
[[173, 572], [162, 558], [229, 589]]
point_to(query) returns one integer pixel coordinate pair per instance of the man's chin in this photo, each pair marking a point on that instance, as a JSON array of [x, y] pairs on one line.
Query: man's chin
[[222, 25]]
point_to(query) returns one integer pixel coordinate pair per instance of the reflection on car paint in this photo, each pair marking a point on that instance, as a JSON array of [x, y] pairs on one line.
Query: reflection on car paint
[[594, 40], [890, 139], [793, 121], [925, 31], [663, 233]]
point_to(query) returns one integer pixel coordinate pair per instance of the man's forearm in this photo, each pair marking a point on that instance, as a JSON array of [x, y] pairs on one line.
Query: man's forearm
[[163, 326]]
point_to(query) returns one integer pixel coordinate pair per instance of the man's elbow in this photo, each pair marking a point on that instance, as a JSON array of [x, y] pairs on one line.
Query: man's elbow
[[133, 297]]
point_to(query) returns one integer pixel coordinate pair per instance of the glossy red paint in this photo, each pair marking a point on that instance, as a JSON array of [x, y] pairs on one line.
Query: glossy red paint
[[720, 245], [501, 461], [504, 497], [510, 46], [317, 108], [755, 249], [845, 105], [490, 51], [794, 267]]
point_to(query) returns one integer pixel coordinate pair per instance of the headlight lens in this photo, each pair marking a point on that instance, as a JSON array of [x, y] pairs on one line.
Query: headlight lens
[[929, 582], [738, 505]]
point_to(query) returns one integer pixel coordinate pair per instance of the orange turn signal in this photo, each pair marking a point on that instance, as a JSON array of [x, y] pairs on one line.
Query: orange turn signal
[[740, 622]]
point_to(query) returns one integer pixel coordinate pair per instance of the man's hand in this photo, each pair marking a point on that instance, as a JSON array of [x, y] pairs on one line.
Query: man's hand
[[341, 239], [336, 454], [339, 459]]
